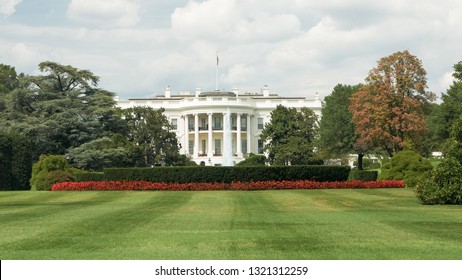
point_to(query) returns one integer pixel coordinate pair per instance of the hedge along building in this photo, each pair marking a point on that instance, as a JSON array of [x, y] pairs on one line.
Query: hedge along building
[[220, 128]]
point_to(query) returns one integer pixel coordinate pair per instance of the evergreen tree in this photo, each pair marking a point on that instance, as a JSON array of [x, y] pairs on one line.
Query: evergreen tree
[[290, 136], [337, 135], [154, 142], [60, 109], [451, 107]]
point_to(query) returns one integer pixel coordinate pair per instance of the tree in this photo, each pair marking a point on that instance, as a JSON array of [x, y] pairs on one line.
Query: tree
[[61, 109], [151, 133], [8, 82], [290, 135], [458, 71], [64, 79], [453, 147], [337, 135], [451, 107], [101, 153], [388, 110], [8, 78]]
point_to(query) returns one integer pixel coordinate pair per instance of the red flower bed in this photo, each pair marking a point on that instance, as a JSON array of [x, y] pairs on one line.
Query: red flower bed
[[246, 186]]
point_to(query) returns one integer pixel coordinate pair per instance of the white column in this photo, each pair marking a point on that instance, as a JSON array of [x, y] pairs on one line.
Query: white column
[[210, 138], [196, 135], [238, 138], [248, 135], [186, 134], [227, 144], [224, 138]]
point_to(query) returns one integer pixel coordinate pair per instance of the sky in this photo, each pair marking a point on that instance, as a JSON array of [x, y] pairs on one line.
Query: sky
[[296, 47]]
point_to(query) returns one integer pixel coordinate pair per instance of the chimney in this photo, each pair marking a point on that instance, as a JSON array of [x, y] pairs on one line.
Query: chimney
[[317, 100], [265, 91], [168, 92], [198, 91], [236, 91]]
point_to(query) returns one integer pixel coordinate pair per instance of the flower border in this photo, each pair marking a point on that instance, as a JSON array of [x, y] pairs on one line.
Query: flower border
[[244, 186]]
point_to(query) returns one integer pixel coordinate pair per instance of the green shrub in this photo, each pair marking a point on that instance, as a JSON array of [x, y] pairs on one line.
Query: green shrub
[[229, 174], [443, 185], [253, 160], [363, 175], [49, 170], [47, 179], [405, 165]]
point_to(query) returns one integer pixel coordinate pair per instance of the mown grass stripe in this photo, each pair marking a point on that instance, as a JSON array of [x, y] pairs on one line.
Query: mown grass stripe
[[291, 224], [84, 227]]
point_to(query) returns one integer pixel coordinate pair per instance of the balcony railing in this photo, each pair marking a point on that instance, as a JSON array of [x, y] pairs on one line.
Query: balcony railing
[[206, 128]]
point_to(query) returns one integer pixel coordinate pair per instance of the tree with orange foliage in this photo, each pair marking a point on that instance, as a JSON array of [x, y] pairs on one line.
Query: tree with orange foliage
[[388, 110]]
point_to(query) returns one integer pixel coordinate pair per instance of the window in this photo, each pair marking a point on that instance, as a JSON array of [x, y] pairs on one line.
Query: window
[[204, 147], [244, 146], [217, 123], [174, 124], [244, 123], [191, 124], [203, 124], [218, 147], [234, 123], [191, 147], [260, 123], [260, 146]]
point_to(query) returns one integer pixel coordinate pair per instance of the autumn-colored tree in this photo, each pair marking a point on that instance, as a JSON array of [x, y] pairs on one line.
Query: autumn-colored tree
[[388, 110]]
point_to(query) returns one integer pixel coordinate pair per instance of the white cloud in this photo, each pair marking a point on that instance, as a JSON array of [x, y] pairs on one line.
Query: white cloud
[[25, 57], [22, 54], [8, 7], [103, 13], [212, 18], [267, 28], [231, 20], [446, 80], [240, 74], [296, 47]]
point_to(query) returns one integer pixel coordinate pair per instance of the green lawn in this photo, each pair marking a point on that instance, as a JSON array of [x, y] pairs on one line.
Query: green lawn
[[298, 224]]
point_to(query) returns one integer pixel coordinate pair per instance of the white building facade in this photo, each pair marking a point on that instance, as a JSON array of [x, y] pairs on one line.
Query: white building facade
[[220, 128]]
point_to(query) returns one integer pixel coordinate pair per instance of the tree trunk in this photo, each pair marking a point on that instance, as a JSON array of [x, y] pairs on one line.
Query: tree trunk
[[360, 161]]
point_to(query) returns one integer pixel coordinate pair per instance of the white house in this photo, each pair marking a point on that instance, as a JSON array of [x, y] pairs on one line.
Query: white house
[[220, 128]]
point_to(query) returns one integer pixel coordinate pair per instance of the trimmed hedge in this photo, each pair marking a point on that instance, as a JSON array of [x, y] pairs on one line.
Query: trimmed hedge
[[90, 176], [363, 175], [15, 161], [209, 174]]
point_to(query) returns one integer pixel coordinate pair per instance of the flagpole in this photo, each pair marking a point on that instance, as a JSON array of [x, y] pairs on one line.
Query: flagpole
[[216, 74]]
